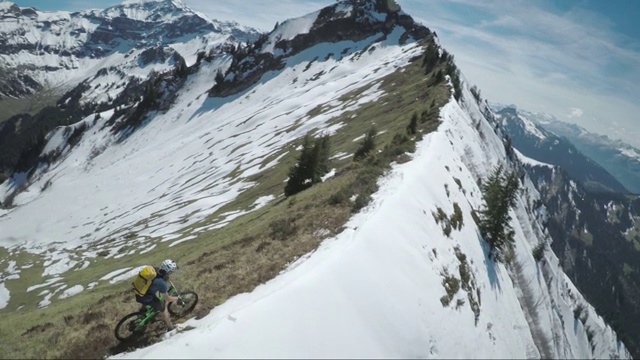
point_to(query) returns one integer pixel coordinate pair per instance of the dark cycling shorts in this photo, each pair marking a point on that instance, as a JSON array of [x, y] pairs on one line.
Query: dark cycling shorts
[[153, 301], [157, 304]]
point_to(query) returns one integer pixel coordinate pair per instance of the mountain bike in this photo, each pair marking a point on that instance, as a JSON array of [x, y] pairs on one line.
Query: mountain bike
[[133, 325]]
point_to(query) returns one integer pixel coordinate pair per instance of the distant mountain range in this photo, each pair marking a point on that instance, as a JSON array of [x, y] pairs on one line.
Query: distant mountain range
[[52, 52], [619, 159]]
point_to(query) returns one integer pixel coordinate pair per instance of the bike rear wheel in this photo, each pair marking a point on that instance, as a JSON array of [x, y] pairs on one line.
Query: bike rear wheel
[[189, 301], [130, 326]]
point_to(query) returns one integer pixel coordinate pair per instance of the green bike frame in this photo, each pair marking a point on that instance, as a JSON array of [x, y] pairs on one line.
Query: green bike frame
[[151, 312]]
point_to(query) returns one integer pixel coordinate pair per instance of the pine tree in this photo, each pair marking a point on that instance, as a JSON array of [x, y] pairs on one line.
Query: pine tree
[[367, 145], [499, 194], [412, 128], [312, 164], [322, 151], [300, 171]]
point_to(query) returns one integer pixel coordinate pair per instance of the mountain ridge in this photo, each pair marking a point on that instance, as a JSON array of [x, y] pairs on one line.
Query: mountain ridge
[[543, 145], [174, 170], [617, 157]]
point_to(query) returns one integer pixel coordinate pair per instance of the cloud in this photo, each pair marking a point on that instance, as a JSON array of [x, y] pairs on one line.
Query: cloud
[[523, 53], [575, 112]]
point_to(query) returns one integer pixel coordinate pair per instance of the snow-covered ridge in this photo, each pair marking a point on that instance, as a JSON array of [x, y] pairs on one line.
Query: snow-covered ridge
[[353, 20], [375, 290], [347, 16]]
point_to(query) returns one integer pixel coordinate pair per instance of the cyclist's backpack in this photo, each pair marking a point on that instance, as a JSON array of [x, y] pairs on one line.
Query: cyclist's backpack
[[144, 279]]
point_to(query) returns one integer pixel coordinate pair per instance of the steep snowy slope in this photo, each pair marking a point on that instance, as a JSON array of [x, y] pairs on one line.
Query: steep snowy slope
[[376, 290]]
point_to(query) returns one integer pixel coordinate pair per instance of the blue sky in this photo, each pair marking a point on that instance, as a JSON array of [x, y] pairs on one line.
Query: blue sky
[[578, 60]]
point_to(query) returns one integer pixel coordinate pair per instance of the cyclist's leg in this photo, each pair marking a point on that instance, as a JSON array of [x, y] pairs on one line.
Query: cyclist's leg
[[161, 306]]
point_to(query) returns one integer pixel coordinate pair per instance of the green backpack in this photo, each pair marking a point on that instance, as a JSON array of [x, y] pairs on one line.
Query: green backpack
[[143, 280]]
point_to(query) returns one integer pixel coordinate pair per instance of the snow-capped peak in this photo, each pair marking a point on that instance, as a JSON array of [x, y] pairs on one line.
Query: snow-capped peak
[[346, 18], [149, 10], [6, 5]]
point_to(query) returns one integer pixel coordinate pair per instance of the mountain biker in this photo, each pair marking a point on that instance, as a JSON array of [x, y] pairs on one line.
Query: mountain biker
[[160, 285]]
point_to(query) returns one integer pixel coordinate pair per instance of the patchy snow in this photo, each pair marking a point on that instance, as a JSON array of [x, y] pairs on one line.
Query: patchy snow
[[49, 282], [49, 295], [4, 295], [78, 56], [630, 152], [115, 273], [127, 275], [263, 200], [188, 184], [58, 267], [531, 128], [74, 290], [329, 175]]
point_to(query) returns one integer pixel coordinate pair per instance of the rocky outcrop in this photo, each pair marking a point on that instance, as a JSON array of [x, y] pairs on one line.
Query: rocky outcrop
[[353, 20]]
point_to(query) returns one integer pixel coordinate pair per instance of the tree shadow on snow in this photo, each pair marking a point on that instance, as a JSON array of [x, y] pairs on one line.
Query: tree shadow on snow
[[490, 264]]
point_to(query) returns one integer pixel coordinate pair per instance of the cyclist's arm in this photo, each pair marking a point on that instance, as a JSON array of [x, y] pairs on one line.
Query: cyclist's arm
[[164, 291]]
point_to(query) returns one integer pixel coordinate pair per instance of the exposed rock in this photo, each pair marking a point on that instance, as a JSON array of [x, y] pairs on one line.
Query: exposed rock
[[353, 20]]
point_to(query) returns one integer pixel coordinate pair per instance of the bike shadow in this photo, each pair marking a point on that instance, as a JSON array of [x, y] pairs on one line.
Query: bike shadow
[[150, 337]]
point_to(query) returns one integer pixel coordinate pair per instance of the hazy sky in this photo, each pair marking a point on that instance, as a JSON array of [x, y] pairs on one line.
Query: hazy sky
[[578, 60]]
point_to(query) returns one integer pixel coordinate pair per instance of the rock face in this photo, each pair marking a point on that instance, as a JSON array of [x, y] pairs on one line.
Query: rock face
[[50, 49], [595, 236]]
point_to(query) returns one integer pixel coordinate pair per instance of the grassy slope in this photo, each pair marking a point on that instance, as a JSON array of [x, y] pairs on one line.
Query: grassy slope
[[236, 258]]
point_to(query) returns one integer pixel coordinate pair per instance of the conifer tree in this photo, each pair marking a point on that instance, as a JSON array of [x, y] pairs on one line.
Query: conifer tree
[[499, 194], [322, 151], [312, 164], [412, 128], [367, 145]]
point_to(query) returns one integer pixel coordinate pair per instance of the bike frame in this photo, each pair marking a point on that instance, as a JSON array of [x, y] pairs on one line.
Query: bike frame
[[151, 312]]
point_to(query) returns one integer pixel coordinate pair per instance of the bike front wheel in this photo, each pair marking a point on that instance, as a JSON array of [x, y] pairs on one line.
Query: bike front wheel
[[188, 302], [130, 326]]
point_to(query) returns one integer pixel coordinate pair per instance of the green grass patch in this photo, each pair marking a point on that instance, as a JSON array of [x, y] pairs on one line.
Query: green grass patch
[[451, 285]]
